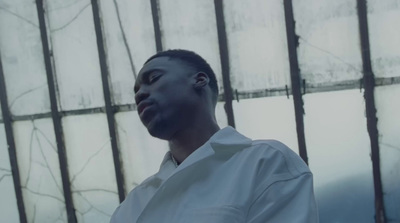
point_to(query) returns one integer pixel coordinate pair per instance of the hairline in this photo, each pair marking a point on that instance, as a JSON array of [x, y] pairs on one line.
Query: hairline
[[189, 64]]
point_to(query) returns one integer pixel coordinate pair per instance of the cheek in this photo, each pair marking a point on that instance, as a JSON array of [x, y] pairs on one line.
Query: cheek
[[174, 96], [174, 109]]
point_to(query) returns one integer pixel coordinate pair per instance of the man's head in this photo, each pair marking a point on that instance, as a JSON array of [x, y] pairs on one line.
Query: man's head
[[173, 90], [196, 62]]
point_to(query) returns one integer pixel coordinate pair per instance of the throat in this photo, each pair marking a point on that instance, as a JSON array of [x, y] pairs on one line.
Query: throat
[[186, 142], [176, 163]]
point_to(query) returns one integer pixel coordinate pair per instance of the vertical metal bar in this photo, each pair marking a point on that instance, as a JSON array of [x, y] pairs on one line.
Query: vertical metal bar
[[156, 24], [292, 42], [224, 56], [58, 130], [11, 146], [107, 98], [372, 121]]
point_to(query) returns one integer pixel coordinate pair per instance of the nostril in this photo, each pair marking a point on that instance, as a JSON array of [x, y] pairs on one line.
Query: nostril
[[140, 96]]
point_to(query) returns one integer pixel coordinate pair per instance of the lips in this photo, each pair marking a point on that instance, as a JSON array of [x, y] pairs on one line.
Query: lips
[[142, 106]]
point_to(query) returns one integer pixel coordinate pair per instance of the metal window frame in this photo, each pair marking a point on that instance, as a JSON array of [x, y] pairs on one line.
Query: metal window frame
[[295, 76], [56, 117], [224, 59], [11, 146], [372, 121], [155, 11], [310, 88], [368, 83], [107, 99]]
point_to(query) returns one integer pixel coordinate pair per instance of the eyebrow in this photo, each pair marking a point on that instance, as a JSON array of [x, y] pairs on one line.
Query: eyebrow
[[144, 76]]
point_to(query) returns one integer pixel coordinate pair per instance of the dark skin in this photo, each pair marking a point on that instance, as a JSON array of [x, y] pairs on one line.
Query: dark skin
[[175, 104]]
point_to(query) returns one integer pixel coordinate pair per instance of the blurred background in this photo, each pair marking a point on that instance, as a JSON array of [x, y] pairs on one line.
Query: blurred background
[[321, 76]]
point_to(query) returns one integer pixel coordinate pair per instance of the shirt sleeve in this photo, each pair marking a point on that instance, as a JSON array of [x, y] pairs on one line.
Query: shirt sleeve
[[114, 215], [286, 201]]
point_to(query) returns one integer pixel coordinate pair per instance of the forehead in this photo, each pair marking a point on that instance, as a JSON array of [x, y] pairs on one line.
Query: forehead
[[163, 64]]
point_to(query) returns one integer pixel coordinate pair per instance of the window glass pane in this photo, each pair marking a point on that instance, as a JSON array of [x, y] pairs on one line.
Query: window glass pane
[[329, 43], [220, 115], [39, 170], [267, 118], [388, 113], [8, 202], [140, 152], [22, 58], [76, 59], [191, 24], [91, 167], [257, 44], [339, 155], [384, 36], [129, 39]]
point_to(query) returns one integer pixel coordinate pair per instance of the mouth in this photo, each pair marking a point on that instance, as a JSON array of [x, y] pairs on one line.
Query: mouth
[[142, 107]]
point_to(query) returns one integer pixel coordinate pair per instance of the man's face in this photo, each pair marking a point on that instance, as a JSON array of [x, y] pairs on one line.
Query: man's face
[[165, 96]]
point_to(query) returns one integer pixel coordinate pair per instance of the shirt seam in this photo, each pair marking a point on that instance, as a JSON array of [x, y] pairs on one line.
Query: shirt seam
[[294, 169]]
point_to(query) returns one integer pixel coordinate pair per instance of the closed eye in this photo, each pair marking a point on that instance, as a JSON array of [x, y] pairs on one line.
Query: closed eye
[[154, 78]]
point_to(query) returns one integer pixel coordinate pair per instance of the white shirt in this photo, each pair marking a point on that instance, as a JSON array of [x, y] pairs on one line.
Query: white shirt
[[227, 180]]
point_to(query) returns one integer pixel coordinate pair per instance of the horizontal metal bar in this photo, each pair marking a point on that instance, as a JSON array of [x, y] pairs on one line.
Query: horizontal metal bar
[[116, 108], [313, 88], [271, 92]]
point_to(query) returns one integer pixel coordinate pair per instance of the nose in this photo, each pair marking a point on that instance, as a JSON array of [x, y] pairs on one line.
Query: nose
[[141, 94]]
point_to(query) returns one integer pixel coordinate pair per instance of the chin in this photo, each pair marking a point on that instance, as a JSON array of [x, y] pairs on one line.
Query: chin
[[159, 134], [159, 130]]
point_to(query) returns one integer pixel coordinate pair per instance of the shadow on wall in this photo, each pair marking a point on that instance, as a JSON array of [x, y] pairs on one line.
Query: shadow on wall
[[349, 200]]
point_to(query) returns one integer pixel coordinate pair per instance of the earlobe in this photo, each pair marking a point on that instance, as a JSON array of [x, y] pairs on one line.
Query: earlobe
[[201, 80]]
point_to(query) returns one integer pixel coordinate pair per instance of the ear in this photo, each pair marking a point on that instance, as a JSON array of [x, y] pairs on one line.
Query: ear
[[201, 80]]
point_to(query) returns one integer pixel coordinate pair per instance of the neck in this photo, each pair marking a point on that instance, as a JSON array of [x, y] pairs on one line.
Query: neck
[[187, 141]]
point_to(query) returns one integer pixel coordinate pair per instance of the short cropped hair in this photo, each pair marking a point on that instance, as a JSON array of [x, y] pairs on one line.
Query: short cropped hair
[[193, 60]]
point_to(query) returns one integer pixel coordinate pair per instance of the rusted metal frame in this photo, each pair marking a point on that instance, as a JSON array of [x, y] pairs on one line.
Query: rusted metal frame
[[292, 41], [116, 108], [311, 88], [372, 121], [224, 57], [156, 24], [11, 146], [107, 99], [58, 130]]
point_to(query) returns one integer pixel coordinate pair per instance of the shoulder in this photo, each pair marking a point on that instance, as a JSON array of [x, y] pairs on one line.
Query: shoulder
[[273, 159], [273, 149]]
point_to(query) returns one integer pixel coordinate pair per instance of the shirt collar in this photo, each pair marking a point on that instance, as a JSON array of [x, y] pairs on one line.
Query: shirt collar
[[167, 158], [226, 140]]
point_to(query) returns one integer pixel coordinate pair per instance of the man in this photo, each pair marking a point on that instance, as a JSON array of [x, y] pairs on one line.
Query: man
[[210, 174]]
